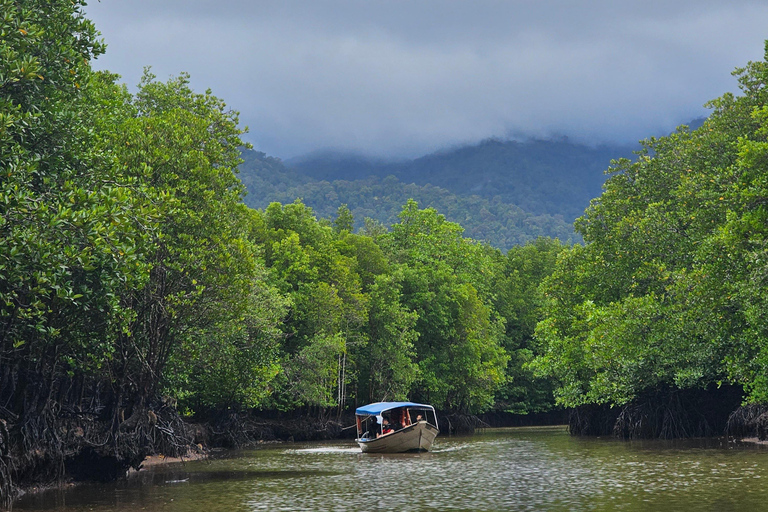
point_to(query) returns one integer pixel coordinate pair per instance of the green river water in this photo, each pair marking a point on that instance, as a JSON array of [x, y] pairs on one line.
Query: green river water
[[541, 469]]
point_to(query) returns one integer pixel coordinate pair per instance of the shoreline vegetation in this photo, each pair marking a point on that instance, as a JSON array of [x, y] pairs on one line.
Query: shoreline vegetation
[[744, 425], [138, 290]]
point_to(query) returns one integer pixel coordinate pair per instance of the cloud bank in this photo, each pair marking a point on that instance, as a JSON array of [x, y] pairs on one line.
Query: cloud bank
[[398, 78]]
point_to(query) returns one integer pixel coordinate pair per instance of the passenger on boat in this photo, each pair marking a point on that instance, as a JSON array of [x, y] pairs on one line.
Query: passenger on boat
[[386, 428]]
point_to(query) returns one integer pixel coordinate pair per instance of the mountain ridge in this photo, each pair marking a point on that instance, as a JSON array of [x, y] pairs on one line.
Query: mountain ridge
[[556, 177], [502, 192]]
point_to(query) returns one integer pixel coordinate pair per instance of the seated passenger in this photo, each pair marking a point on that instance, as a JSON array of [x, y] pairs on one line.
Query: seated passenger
[[386, 428]]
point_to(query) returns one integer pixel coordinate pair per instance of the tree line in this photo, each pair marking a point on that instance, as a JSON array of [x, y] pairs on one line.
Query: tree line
[[495, 220], [553, 176], [669, 289]]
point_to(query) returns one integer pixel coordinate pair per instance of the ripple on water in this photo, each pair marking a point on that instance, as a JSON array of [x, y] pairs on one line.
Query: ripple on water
[[515, 470]]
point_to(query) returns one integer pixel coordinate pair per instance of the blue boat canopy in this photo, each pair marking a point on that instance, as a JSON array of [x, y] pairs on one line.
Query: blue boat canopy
[[379, 407]]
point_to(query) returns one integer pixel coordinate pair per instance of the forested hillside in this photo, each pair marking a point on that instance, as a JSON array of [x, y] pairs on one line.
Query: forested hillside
[[492, 220], [542, 177]]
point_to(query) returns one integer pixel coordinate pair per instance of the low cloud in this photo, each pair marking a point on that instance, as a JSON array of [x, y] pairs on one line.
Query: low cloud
[[401, 78]]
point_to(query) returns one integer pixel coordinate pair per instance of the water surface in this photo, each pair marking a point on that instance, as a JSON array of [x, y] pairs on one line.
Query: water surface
[[541, 469]]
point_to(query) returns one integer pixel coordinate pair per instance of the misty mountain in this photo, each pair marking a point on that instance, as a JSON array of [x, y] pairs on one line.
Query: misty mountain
[[502, 192], [554, 177], [491, 220]]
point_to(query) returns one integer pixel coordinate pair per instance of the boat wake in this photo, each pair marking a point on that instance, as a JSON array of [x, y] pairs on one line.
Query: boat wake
[[326, 449], [455, 448]]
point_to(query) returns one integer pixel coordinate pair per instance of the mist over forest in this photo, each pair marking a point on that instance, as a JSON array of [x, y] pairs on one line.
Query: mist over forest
[[503, 193]]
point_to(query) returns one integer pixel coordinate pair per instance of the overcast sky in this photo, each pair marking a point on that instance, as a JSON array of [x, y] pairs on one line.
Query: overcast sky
[[400, 78]]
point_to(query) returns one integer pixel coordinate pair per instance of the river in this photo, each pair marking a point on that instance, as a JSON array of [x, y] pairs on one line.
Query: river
[[520, 469]]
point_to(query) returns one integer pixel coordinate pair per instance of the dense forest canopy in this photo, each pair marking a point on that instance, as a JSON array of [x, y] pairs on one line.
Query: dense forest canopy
[[669, 289], [543, 177], [493, 219]]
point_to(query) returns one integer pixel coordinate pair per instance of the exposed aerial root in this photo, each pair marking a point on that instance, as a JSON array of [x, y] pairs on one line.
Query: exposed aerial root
[[664, 413], [749, 421], [52, 444]]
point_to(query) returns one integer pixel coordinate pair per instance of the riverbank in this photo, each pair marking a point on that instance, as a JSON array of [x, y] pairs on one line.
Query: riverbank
[[162, 437], [198, 439], [160, 459], [150, 461], [500, 469]]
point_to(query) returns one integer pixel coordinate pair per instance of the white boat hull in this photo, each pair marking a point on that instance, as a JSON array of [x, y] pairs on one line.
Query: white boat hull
[[416, 437]]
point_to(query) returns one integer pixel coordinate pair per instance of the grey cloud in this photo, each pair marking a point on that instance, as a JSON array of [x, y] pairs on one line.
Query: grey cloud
[[398, 77]]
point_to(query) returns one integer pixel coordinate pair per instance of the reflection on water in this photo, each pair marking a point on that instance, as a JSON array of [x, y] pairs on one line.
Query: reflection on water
[[507, 469]]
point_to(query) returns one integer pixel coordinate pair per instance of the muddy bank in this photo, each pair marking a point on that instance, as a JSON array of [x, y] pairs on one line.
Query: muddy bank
[[84, 448], [58, 447], [160, 459], [234, 430]]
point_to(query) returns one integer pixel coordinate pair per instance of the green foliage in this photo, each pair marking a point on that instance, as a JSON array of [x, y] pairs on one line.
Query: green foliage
[[185, 146], [313, 373], [667, 290], [233, 364], [391, 354], [67, 238], [317, 267], [407, 314], [344, 219], [446, 282], [519, 301], [130, 268]]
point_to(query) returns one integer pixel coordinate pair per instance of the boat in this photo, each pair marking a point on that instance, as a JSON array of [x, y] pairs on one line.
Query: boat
[[396, 427]]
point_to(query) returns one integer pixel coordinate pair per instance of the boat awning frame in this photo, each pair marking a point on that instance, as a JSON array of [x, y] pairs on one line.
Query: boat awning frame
[[377, 408]]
